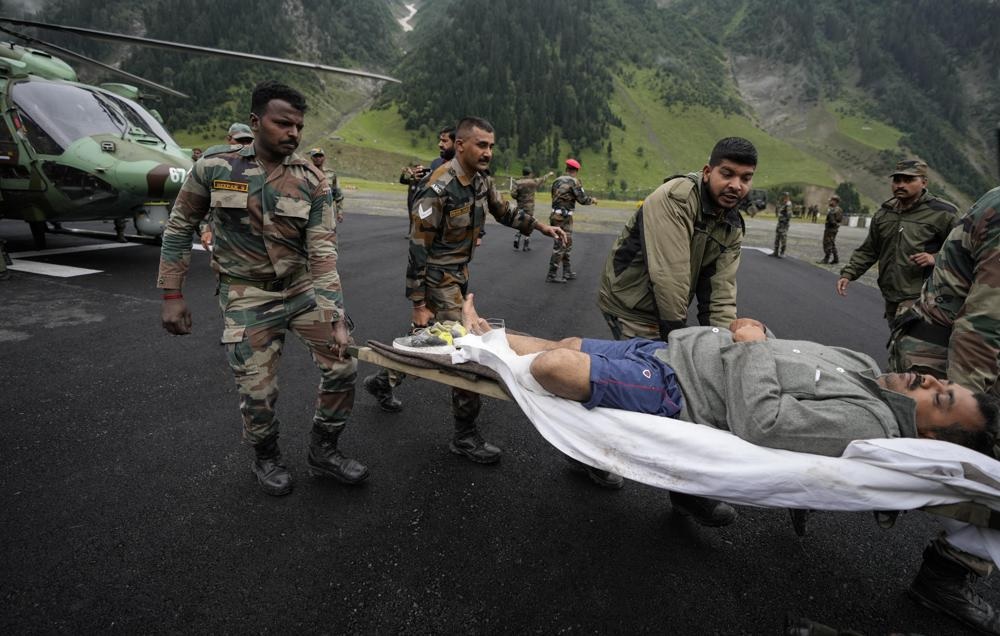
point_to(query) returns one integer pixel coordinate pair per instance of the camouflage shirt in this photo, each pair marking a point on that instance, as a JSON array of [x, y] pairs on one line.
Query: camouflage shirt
[[524, 192], [784, 216], [963, 293], [675, 247], [265, 227], [567, 191], [834, 216], [449, 211], [336, 194], [897, 234]]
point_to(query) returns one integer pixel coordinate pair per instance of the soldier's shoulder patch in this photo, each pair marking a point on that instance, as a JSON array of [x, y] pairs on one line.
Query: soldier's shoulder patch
[[231, 186]]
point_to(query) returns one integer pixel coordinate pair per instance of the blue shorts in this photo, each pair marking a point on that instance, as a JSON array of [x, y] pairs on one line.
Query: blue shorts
[[626, 374]]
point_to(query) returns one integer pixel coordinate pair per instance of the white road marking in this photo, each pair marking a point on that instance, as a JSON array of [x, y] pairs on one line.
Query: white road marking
[[766, 250], [72, 250], [50, 269]]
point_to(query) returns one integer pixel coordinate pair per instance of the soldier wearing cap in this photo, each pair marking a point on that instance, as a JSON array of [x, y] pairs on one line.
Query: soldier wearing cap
[[834, 216], [523, 191], [781, 231], [276, 257], [336, 194], [567, 191], [237, 135], [905, 234]]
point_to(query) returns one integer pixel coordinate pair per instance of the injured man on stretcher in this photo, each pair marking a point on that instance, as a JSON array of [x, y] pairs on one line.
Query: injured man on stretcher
[[787, 394]]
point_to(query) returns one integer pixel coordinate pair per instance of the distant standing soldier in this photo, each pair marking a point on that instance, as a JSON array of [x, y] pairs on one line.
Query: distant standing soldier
[[813, 213], [953, 331], [276, 257], [905, 234], [781, 231], [238, 135], [336, 194], [834, 217], [567, 191], [524, 193], [449, 210]]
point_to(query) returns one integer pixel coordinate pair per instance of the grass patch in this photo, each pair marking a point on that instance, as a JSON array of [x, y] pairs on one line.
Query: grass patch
[[384, 130], [862, 129]]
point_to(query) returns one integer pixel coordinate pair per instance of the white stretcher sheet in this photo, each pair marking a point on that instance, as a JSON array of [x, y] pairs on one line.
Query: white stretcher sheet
[[879, 474]]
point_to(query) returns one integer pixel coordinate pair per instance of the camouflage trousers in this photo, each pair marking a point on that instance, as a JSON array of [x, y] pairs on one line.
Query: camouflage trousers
[[255, 324], [560, 250], [780, 241], [445, 299], [830, 245]]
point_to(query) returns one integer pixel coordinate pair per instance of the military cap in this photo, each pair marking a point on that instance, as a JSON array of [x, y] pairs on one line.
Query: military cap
[[911, 167], [526, 170], [316, 151], [834, 197], [573, 163], [240, 131]]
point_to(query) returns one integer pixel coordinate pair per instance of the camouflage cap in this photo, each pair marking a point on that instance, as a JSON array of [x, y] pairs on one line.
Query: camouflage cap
[[911, 167], [316, 151], [240, 131]]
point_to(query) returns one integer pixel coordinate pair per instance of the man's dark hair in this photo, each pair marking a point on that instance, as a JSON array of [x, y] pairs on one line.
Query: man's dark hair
[[735, 149], [981, 439], [466, 124], [448, 130], [264, 92], [525, 171]]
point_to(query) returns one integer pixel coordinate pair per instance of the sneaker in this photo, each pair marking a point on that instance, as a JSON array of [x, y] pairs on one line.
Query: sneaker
[[552, 278], [437, 338], [707, 512], [569, 276]]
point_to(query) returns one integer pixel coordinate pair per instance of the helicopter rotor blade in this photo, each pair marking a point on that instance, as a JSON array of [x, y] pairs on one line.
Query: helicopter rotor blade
[[204, 50], [89, 60]]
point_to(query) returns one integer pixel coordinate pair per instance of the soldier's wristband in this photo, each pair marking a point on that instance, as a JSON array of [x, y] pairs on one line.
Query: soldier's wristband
[[176, 296]]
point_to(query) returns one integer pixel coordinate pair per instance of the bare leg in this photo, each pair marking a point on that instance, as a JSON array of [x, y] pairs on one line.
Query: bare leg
[[522, 345]]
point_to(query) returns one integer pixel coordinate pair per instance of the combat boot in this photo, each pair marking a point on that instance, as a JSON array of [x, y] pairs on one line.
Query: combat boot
[[378, 385], [554, 277], [823, 261], [271, 474], [326, 459], [517, 241], [945, 585], [471, 445], [707, 512]]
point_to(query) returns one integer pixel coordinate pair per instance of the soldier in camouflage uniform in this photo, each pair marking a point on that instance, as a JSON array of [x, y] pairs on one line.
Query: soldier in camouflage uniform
[[683, 242], [276, 257], [781, 231], [414, 173], [834, 216], [318, 158], [238, 135], [567, 191], [905, 233], [953, 331], [449, 211], [523, 192]]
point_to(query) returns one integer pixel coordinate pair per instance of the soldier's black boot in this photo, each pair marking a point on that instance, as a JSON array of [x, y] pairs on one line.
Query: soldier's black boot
[[378, 385], [468, 443], [824, 260], [603, 478], [271, 474], [945, 585], [707, 512], [326, 459], [517, 240], [834, 260]]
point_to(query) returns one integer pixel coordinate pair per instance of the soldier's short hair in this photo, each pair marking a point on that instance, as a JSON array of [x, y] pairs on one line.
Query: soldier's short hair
[[466, 124], [525, 171], [448, 130], [735, 149], [264, 92]]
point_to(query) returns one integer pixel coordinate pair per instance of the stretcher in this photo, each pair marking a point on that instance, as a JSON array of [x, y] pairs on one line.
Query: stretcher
[[880, 474]]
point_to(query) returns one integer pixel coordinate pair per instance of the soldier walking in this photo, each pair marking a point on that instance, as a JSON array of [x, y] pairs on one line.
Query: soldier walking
[[834, 216], [567, 191], [318, 158], [905, 234], [449, 211], [276, 257], [523, 192], [781, 231]]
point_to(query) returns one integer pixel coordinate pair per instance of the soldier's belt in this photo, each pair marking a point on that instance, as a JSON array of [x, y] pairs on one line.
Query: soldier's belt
[[562, 211], [273, 284]]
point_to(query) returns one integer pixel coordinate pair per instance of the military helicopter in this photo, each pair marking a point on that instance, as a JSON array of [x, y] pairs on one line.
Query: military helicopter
[[71, 151]]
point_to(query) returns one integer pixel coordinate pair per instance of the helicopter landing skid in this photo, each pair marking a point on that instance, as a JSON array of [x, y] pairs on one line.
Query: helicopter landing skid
[[132, 238]]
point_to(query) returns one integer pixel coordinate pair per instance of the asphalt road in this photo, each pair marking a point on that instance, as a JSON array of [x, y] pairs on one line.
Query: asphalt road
[[128, 504]]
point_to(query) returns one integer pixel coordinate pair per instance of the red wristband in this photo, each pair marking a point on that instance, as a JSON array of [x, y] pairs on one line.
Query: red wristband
[[172, 296]]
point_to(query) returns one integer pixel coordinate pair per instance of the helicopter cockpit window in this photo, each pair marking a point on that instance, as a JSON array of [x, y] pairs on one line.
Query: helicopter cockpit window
[[139, 117], [56, 115]]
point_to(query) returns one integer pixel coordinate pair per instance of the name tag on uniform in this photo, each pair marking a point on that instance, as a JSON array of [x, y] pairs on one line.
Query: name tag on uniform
[[460, 211], [231, 186]]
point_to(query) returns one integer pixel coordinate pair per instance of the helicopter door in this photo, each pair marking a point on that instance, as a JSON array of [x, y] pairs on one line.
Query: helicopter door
[[14, 175]]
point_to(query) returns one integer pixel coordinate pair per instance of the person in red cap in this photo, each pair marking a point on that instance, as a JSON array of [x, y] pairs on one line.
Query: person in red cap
[[567, 191]]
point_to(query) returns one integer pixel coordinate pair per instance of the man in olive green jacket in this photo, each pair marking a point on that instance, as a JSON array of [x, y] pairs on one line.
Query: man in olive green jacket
[[905, 234], [683, 241]]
